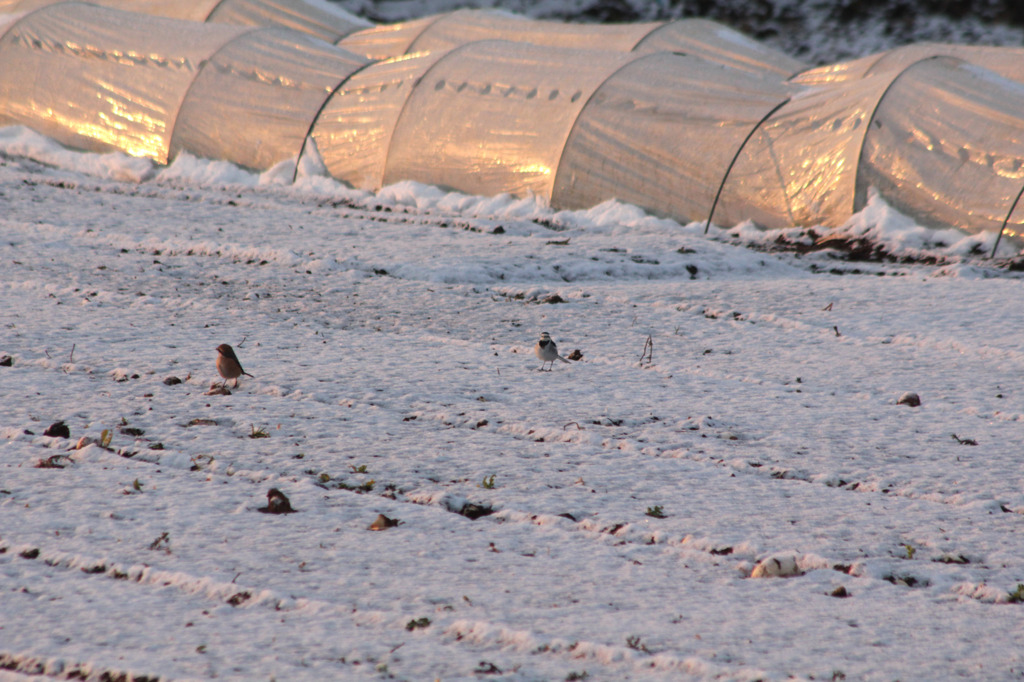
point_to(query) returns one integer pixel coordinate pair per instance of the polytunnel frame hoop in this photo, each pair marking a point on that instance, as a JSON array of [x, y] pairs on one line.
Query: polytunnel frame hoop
[[199, 72], [874, 112], [736, 157], [1002, 228], [405, 105], [184, 98], [316, 117], [878, 104], [647, 36], [213, 9], [632, 58], [411, 49]]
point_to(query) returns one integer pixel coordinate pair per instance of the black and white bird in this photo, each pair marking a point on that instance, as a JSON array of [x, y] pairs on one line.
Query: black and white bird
[[547, 351], [228, 365]]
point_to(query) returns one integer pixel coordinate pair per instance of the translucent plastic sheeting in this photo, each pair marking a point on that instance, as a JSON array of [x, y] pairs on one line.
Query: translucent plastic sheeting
[[718, 43], [947, 146], [254, 101], [1005, 61], [661, 133], [317, 19], [800, 166], [493, 117], [467, 26], [707, 39], [836, 74], [102, 80], [353, 132], [388, 40], [189, 10], [8, 20]]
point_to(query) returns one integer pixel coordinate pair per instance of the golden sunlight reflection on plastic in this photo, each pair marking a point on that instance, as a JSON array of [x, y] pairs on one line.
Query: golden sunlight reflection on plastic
[[112, 133]]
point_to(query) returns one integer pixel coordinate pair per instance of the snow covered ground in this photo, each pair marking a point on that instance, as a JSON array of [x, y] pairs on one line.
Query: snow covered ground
[[631, 498]]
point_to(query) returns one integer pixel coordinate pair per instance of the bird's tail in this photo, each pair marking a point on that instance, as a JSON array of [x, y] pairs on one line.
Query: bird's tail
[[564, 360]]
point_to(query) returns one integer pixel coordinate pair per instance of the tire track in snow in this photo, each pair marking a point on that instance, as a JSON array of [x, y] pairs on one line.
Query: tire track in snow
[[479, 635], [621, 531], [565, 436], [735, 559]]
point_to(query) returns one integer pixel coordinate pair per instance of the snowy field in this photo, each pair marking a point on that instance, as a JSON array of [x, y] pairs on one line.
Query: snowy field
[[626, 507]]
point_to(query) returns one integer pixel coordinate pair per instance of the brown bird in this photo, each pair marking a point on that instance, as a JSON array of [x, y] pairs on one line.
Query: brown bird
[[228, 365], [383, 523], [277, 503]]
